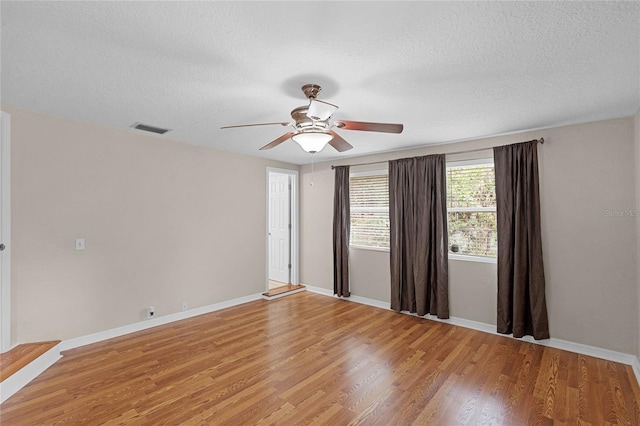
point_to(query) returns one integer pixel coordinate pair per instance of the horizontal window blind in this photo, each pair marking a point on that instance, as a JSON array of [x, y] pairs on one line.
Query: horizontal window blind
[[369, 203], [369, 191], [370, 229]]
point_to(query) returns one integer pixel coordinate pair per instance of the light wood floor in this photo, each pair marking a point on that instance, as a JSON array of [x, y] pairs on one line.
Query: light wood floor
[[275, 284], [12, 361], [312, 359]]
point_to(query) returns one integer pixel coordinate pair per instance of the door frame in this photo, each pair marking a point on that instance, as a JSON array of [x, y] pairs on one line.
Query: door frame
[[5, 232], [295, 229]]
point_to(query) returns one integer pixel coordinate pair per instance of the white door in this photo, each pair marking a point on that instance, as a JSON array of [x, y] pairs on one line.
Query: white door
[[5, 233], [279, 227]]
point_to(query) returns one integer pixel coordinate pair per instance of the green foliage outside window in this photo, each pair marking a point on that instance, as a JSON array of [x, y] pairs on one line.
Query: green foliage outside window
[[471, 207]]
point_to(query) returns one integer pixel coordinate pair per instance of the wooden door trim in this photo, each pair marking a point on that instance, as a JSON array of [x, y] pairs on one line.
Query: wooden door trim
[[295, 231], [5, 279]]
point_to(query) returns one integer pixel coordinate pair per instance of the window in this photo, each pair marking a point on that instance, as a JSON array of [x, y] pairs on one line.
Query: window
[[471, 208], [369, 203]]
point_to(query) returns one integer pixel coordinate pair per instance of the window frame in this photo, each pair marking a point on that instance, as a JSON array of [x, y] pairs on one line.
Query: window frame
[[374, 172], [451, 256], [471, 257]]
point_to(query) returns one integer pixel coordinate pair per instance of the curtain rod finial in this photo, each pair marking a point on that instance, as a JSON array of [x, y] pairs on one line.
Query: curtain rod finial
[[541, 140]]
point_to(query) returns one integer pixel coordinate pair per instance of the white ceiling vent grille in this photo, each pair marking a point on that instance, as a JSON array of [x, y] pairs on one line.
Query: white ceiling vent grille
[[152, 129]]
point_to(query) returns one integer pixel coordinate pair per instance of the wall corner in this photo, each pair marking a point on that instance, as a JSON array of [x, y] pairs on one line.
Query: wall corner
[[636, 140]]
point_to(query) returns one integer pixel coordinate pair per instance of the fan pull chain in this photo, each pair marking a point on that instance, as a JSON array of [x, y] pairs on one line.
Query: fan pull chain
[[311, 183]]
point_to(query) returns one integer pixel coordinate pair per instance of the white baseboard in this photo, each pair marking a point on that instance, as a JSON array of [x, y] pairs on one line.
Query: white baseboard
[[367, 301], [580, 348], [21, 378], [352, 298], [319, 290], [143, 325], [636, 368]]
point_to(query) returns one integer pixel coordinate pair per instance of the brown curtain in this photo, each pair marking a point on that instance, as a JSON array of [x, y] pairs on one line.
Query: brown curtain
[[522, 309], [341, 230], [419, 241]]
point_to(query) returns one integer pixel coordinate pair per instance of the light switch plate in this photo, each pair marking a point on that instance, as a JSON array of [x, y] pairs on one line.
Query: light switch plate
[[79, 243]]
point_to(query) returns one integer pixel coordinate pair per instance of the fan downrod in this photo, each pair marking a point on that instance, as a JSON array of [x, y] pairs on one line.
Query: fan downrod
[[311, 90]]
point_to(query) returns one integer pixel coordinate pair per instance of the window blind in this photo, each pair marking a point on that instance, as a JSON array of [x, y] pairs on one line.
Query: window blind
[[369, 203]]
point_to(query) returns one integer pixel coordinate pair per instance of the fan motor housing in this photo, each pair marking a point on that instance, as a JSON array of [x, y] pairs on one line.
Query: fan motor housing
[[303, 122]]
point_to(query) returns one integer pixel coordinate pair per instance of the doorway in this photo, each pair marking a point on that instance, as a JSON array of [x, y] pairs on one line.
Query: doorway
[[5, 232], [282, 228]]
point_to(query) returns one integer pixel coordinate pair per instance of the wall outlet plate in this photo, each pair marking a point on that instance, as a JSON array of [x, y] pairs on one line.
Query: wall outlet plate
[[79, 243], [185, 306], [151, 312]]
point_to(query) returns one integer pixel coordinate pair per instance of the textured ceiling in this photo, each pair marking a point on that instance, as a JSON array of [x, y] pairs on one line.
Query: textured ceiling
[[448, 70]]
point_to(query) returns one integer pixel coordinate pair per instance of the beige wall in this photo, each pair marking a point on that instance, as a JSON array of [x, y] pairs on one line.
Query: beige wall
[[164, 222], [637, 260], [590, 259], [161, 220]]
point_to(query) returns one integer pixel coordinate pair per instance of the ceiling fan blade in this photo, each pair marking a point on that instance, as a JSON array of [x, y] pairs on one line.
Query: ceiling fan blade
[[338, 143], [369, 127], [319, 110], [278, 141], [251, 125]]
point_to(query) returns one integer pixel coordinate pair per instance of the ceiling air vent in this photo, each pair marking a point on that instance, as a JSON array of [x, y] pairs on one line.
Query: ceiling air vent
[[152, 129]]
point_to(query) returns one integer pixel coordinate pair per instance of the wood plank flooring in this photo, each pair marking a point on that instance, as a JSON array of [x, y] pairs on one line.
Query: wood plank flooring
[[275, 284], [286, 288], [18, 357], [312, 359]]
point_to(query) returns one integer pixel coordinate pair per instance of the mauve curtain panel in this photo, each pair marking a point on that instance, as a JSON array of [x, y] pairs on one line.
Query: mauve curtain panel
[[341, 230], [419, 240], [522, 309]]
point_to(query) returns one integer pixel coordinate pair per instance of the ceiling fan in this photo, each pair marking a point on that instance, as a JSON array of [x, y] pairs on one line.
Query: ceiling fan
[[312, 129]]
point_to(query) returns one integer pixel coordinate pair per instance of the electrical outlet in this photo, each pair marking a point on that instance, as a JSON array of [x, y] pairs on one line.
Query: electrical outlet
[[79, 243], [151, 312], [185, 306]]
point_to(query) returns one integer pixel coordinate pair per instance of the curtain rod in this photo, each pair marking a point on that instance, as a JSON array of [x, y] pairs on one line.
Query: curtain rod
[[541, 140]]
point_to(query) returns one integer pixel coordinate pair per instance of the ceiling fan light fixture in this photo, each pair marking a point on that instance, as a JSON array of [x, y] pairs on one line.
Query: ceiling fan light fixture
[[312, 129], [312, 142]]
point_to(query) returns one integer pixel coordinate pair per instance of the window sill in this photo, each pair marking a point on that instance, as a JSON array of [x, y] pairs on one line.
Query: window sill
[[369, 248], [462, 257], [467, 258]]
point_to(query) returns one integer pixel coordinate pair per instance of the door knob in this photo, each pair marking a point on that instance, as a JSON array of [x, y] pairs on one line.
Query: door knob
[[2, 247]]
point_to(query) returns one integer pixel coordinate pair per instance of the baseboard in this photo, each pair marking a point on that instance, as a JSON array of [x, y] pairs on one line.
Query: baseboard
[[21, 378], [636, 368], [367, 301], [593, 351], [319, 290], [143, 325]]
